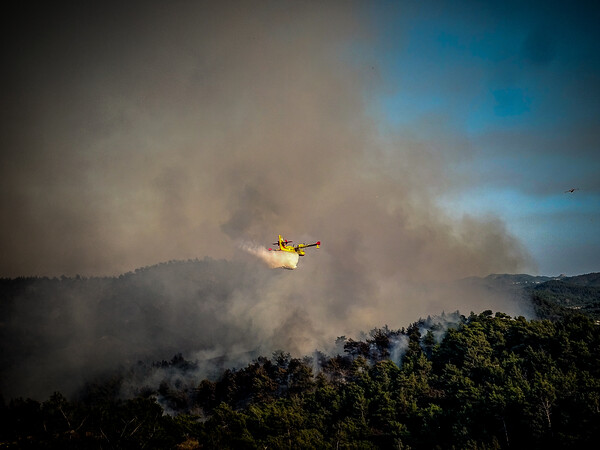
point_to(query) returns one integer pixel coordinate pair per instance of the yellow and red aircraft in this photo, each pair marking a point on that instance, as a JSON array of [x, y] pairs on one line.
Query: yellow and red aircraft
[[284, 247]]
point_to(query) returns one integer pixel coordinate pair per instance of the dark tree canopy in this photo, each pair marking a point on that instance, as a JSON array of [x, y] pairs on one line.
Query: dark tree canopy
[[492, 381]]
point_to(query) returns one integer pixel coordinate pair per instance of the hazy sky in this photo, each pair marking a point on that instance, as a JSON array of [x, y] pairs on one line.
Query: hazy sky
[[417, 140]]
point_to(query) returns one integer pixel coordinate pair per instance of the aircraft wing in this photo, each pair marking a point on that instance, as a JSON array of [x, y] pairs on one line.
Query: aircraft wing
[[316, 244]]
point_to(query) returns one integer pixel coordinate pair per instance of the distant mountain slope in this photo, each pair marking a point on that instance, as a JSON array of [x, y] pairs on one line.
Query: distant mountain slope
[[557, 298], [589, 279], [520, 279], [551, 297]]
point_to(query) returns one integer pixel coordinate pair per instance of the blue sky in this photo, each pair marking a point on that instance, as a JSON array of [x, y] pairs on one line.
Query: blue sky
[[520, 82]]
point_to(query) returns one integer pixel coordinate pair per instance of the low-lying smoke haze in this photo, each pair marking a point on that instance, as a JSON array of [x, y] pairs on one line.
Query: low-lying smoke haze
[[58, 334], [149, 133]]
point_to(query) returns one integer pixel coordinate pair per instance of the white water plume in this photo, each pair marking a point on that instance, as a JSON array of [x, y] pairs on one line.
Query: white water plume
[[273, 259]]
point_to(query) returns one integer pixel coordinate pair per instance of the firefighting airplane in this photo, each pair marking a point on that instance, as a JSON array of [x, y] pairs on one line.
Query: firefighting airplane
[[284, 247]]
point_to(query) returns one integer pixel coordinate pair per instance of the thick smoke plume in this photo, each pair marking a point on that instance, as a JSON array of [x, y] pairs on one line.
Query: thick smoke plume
[[143, 135], [150, 134]]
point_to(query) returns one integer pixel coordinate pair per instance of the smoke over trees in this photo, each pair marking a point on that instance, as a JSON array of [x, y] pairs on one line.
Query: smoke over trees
[[60, 333], [492, 381]]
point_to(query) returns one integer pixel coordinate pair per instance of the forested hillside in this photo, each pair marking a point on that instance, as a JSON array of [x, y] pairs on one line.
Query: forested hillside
[[566, 296], [485, 380], [550, 297], [482, 381]]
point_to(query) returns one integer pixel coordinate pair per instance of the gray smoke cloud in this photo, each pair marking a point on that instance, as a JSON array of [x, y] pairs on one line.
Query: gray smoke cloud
[[154, 132]]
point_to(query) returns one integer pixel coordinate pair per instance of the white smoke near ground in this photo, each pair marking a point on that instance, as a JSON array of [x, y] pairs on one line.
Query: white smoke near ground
[[398, 347], [438, 325], [272, 258]]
